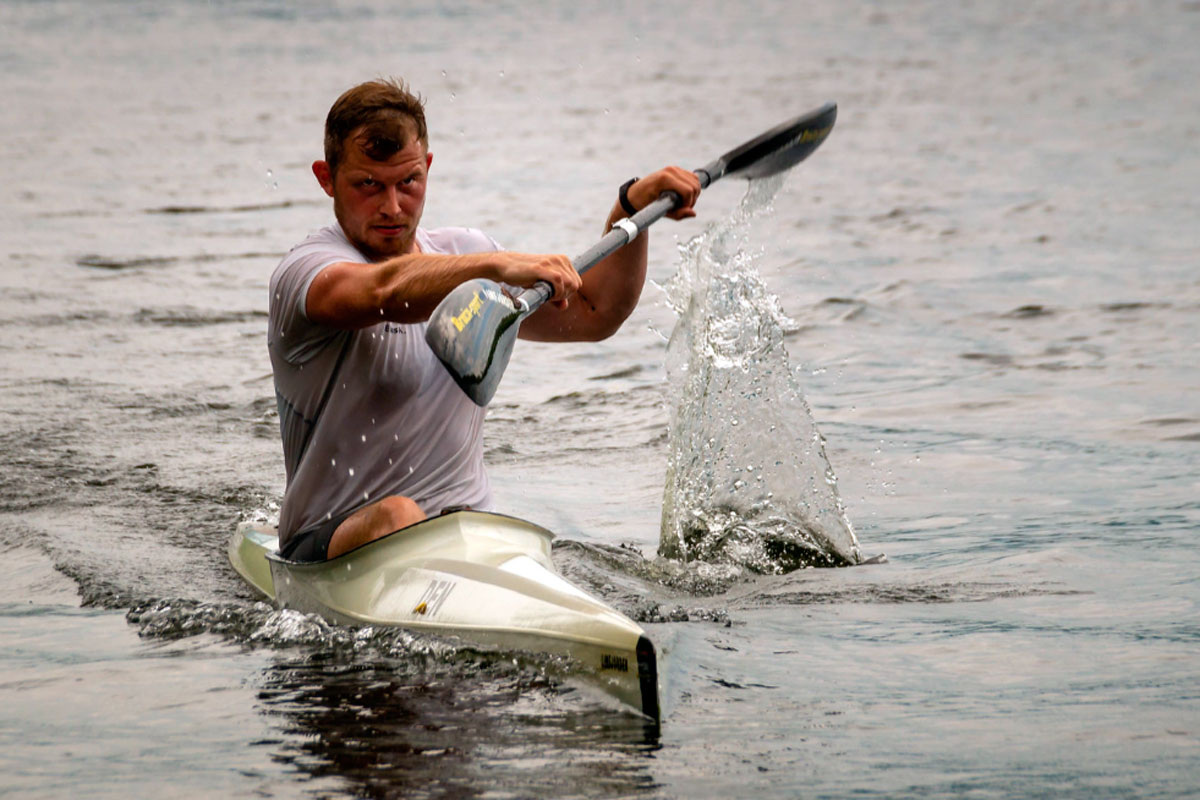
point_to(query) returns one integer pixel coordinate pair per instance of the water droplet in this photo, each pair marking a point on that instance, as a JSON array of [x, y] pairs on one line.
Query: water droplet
[[366, 496], [501, 73], [333, 462], [364, 437], [351, 471]]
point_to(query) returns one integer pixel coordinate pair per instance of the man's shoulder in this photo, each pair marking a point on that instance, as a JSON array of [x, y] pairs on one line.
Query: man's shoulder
[[454, 241], [321, 247], [330, 237]]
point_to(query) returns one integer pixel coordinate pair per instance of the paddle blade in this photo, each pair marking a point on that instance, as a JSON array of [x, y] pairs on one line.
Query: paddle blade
[[472, 332], [782, 147]]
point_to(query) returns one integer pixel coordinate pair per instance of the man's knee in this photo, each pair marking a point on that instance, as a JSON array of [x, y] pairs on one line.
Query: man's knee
[[400, 511]]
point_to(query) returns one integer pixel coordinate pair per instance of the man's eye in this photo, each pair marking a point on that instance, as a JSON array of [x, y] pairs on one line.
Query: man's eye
[[368, 183]]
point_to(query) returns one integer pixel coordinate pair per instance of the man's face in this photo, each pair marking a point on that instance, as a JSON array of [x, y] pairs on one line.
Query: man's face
[[378, 203]]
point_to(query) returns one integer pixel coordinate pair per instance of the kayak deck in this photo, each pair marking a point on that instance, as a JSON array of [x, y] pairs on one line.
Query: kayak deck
[[485, 578]]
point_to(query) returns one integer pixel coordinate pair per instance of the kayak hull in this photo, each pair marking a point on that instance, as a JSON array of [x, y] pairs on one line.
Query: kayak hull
[[484, 578]]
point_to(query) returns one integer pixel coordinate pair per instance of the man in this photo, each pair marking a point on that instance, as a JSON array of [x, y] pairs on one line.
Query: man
[[375, 432]]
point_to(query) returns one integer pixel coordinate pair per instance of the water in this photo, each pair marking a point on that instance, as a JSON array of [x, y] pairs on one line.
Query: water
[[990, 275], [748, 480]]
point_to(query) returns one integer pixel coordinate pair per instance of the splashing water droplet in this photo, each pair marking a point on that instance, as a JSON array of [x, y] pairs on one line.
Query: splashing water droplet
[[736, 402]]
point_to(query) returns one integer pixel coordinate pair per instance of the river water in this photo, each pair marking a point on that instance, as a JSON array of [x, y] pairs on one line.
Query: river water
[[986, 291]]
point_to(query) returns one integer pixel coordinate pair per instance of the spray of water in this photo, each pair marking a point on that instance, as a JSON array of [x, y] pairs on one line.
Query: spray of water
[[748, 481]]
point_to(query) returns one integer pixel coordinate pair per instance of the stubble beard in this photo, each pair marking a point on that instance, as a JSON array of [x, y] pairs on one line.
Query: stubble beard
[[402, 246]]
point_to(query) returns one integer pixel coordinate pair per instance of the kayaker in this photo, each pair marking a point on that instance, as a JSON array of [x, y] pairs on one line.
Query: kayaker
[[376, 435]]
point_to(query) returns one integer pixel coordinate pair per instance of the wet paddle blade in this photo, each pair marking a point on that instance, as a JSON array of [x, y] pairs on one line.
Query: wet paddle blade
[[780, 148], [472, 332]]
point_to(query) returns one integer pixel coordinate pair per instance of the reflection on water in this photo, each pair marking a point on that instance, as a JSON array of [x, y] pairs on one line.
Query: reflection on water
[[389, 730]]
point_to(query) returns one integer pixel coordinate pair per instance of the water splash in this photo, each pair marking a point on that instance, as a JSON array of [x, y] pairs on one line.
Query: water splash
[[748, 481]]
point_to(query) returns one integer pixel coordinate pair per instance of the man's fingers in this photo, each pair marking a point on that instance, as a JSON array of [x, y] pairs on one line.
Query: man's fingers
[[562, 277], [680, 181]]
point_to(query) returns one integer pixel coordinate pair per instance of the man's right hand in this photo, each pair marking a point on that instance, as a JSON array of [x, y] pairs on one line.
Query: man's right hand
[[526, 269]]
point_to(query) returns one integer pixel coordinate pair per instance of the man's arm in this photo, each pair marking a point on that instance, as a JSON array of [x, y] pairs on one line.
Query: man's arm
[[611, 289], [407, 288]]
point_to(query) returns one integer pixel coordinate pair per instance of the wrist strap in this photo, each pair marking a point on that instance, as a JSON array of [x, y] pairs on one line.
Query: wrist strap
[[623, 196]]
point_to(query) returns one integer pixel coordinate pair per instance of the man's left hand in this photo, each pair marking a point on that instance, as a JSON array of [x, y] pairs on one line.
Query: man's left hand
[[671, 179]]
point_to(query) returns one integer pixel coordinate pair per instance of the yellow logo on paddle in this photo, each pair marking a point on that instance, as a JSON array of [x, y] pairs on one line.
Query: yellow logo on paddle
[[814, 136], [460, 320]]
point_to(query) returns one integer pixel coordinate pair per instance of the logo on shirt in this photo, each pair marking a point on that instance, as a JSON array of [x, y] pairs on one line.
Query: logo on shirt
[[390, 328]]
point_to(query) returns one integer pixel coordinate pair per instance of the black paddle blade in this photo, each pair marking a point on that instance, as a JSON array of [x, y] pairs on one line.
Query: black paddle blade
[[782, 147], [472, 332]]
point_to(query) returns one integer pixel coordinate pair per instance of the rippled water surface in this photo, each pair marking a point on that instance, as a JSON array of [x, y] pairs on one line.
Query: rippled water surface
[[981, 296]]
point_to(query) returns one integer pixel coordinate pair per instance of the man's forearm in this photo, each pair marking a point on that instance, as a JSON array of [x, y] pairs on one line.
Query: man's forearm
[[402, 289], [408, 288]]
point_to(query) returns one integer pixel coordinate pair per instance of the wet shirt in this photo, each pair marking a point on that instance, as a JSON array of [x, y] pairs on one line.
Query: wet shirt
[[369, 413]]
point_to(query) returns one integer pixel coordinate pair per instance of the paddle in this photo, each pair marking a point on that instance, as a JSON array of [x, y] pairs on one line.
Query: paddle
[[473, 329]]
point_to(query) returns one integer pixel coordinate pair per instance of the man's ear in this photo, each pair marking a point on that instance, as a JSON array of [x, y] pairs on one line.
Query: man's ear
[[428, 161], [324, 176]]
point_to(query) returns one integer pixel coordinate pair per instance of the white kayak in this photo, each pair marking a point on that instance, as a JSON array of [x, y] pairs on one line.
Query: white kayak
[[485, 578]]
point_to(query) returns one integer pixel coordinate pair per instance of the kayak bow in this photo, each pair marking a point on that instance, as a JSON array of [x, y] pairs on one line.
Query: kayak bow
[[485, 578]]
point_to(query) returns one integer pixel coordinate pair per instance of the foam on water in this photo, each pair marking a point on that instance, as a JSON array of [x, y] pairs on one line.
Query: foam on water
[[748, 480]]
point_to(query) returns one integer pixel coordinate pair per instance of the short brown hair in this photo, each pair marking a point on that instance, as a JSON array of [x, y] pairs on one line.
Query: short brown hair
[[391, 114]]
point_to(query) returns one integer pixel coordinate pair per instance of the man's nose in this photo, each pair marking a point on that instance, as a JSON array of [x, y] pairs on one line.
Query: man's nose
[[391, 201]]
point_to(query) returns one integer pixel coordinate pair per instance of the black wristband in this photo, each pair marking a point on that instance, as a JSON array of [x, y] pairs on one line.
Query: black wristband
[[623, 196]]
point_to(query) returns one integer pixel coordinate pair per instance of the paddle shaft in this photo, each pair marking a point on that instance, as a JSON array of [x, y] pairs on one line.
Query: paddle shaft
[[533, 297], [473, 329]]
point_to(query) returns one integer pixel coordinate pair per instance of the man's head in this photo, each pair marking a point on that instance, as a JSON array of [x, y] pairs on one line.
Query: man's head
[[388, 114], [376, 165]]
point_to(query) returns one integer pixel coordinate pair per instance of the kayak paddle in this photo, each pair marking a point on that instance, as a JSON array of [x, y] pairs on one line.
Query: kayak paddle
[[473, 329]]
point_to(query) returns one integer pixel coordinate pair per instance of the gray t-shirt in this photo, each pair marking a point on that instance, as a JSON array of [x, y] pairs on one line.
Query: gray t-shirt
[[369, 413]]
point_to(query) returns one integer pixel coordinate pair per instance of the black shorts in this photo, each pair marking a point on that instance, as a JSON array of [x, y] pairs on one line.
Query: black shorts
[[312, 544]]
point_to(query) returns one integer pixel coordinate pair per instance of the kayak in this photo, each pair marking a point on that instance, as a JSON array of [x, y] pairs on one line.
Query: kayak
[[482, 577]]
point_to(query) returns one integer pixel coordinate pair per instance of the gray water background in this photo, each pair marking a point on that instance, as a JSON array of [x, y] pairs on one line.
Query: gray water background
[[992, 269]]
